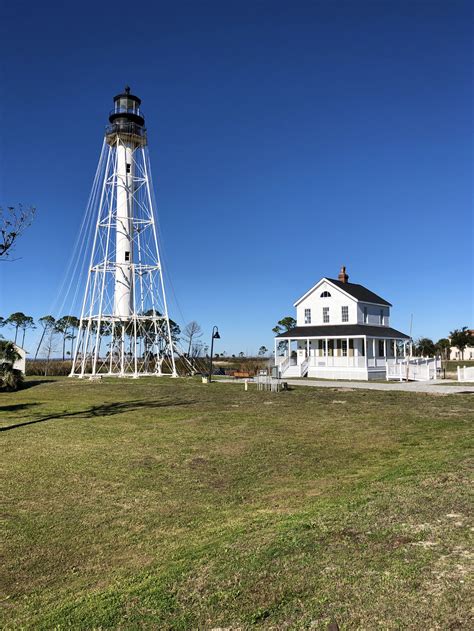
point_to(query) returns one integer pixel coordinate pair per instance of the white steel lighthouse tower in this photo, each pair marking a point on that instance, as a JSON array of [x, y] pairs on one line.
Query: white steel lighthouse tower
[[124, 328]]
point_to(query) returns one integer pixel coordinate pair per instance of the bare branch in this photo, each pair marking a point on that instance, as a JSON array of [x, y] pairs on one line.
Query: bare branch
[[13, 222]]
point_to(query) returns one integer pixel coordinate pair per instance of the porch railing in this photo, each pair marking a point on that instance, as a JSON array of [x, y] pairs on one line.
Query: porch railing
[[465, 373], [336, 362], [413, 369]]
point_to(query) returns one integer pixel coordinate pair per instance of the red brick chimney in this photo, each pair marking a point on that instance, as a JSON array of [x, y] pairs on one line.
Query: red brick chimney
[[343, 277]]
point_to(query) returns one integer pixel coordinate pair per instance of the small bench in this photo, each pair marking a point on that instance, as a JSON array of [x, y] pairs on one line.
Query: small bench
[[240, 374]]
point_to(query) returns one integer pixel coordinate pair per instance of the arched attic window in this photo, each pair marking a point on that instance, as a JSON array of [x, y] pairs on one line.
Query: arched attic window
[[325, 294]]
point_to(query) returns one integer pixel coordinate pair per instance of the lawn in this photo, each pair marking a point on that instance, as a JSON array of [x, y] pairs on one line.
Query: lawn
[[170, 504]]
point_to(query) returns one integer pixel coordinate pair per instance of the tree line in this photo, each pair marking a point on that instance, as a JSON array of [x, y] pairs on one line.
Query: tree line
[[459, 338], [67, 327]]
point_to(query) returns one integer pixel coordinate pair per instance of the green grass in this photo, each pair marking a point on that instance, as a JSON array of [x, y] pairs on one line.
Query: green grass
[[452, 365], [168, 504]]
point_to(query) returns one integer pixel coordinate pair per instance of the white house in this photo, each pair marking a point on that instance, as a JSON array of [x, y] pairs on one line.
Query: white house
[[468, 355], [20, 364], [342, 332]]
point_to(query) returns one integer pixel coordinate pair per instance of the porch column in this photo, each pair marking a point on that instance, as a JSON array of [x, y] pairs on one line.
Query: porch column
[[289, 347], [307, 347], [326, 348], [385, 348], [347, 351], [364, 342], [373, 351]]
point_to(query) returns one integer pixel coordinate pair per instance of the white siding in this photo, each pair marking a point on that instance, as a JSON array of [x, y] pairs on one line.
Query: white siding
[[373, 314], [20, 364], [337, 300], [454, 353]]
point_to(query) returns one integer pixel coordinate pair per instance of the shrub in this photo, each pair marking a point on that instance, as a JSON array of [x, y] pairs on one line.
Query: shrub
[[10, 378]]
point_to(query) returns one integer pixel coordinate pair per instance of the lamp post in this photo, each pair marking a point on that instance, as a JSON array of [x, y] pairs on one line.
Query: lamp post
[[215, 336]]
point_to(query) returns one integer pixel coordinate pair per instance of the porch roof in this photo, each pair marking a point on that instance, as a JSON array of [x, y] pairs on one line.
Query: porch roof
[[343, 330]]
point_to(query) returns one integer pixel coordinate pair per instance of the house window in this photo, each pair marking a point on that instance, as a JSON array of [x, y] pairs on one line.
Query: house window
[[326, 314], [381, 349], [366, 315], [325, 294], [381, 316], [129, 166], [345, 314], [127, 257], [344, 348], [307, 316]]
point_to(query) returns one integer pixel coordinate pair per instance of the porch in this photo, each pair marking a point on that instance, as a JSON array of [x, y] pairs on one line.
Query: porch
[[351, 357]]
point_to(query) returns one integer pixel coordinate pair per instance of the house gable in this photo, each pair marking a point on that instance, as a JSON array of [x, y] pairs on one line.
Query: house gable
[[333, 301], [324, 304]]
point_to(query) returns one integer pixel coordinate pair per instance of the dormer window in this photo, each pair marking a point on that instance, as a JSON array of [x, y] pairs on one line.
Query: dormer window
[[325, 294]]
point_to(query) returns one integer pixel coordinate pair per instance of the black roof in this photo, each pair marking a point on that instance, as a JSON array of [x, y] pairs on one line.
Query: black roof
[[343, 330], [360, 292]]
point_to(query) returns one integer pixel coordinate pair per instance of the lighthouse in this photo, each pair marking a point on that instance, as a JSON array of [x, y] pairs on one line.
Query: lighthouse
[[128, 124], [125, 329]]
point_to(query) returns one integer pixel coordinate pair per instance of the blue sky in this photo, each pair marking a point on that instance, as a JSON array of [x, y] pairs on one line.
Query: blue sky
[[286, 139]]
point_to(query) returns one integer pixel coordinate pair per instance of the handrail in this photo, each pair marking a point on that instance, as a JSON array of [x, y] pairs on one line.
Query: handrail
[[284, 365], [125, 128], [304, 367]]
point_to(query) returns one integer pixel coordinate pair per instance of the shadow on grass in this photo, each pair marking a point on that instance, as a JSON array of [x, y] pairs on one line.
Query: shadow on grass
[[16, 407], [107, 409], [36, 382]]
